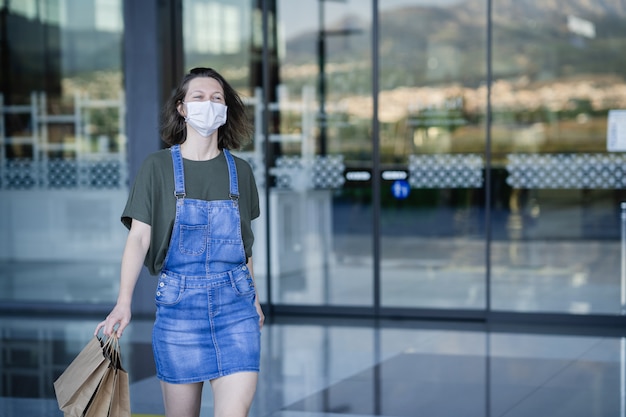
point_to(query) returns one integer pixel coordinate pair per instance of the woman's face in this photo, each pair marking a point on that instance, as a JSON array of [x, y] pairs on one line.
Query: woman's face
[[203, 89]]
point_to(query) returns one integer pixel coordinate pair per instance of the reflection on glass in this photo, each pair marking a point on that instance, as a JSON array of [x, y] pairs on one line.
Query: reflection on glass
[[63, 180], [322, 228], [226, 35], [217, 34], [556, 208], [432, 138]]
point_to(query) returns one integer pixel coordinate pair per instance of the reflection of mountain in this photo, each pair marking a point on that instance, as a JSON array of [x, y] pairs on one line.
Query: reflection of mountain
[[42, 53], [429, 45], [512, 10]]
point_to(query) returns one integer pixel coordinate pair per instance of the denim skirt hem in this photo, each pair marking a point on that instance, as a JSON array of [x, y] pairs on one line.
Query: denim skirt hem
[[207, 378]]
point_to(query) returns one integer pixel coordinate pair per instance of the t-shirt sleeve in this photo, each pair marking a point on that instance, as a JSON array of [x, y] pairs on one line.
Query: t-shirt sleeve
[[252, 209], [139, 203], [255, 210]]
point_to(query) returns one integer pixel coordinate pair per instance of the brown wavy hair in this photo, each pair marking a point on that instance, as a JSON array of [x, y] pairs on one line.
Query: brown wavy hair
[[233, 135]]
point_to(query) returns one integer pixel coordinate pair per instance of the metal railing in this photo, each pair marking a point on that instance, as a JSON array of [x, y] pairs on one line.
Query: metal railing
[[79, 160]]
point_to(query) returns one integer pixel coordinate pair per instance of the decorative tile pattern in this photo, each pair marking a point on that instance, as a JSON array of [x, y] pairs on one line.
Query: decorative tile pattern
[[446, 171], [567, 171], [293, 172], [19, 174], [26, 174]]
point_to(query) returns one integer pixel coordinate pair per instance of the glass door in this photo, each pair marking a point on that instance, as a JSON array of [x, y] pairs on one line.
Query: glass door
[[559, 76], [321, 134], [533, 221], [432, 154]]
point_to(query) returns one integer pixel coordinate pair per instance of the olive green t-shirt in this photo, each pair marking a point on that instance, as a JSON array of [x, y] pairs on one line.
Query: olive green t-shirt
[[151, 199]]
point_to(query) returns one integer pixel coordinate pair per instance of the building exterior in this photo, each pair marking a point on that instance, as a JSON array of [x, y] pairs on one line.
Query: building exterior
[[415, 158]]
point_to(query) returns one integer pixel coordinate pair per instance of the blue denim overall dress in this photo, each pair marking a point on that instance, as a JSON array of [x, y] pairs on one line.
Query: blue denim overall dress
[[206, 323]]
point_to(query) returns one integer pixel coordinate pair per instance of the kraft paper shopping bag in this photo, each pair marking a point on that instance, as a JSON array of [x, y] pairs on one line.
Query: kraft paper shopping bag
[[95, 384], [77, 384]]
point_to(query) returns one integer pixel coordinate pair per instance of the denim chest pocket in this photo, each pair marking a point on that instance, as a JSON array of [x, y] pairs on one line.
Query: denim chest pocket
[[193, 239], [169, 291], [241, 281]]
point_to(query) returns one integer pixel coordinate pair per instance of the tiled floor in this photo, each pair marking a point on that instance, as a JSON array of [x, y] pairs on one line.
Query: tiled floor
[[357, 368]]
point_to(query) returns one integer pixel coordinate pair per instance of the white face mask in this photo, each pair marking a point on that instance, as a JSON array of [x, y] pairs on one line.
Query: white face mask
[[205, 116]]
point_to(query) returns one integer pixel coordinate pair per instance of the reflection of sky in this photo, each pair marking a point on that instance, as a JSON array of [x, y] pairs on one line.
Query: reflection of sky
[[102, 15], [297, 17]]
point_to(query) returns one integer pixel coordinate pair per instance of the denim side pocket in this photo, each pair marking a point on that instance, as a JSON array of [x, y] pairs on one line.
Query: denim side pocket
[[169, 290], [241, 281]]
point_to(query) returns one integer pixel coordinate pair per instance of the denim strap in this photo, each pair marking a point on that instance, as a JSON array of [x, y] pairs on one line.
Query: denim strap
[[179, 172], [232, 174]]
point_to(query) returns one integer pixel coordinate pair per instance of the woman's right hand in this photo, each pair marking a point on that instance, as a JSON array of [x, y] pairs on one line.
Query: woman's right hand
[[137, 244], [116, 321]]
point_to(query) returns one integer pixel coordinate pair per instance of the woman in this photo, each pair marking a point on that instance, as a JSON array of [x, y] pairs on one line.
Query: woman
[[189, 214]]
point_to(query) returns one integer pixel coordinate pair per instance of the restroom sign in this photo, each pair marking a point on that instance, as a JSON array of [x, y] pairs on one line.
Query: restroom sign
[[616, 131]]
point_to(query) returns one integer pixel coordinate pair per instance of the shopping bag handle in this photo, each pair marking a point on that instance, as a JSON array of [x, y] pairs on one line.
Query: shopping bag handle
[[111, 350]]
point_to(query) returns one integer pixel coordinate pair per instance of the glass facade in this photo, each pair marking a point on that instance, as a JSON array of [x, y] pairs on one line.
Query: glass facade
[[412, 156], [432, 111], [63, 170], [321, 193], [557, 188]]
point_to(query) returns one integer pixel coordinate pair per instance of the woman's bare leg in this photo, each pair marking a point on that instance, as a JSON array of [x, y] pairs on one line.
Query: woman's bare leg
[[233, 394], [182, 400]]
